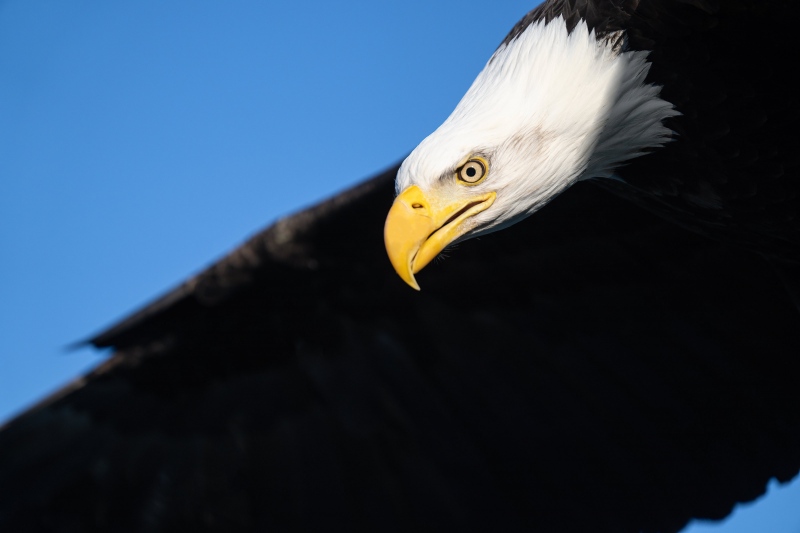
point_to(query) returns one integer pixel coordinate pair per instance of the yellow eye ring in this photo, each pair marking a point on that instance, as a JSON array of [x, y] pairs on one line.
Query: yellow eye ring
[[473, 171]]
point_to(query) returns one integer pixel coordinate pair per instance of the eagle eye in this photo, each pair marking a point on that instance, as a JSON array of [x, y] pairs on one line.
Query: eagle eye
[[473, 171]]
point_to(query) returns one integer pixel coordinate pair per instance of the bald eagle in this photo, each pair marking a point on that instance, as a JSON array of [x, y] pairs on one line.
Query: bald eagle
[[595, 368], [669, 103]]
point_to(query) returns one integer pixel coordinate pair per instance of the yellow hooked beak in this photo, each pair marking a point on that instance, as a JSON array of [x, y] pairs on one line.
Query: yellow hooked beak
[[418, 228]]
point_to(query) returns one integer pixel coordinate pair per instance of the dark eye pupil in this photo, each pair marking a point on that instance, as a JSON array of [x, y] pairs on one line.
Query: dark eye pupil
[[471, 172]]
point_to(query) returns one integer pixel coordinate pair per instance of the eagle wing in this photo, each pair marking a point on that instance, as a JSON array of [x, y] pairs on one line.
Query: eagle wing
[[622, 374]]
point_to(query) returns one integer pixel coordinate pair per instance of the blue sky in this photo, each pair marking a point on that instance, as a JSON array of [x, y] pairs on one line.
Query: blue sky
[[140, 141]]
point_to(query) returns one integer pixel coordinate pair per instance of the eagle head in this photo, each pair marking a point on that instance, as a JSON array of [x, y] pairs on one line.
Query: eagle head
[[551, 107]]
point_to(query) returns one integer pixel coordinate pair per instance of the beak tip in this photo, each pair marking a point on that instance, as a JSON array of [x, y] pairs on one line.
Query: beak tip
[[410, 280]]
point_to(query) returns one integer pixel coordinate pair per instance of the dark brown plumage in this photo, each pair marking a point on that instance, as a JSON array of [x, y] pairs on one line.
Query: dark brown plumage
[[731, 171], [648, 377]]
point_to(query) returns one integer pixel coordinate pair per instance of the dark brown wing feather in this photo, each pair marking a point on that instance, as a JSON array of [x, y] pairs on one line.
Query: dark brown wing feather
[[616, 373]]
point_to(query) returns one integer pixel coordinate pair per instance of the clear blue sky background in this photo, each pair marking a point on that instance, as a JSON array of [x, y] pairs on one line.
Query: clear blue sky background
[[140, 141]]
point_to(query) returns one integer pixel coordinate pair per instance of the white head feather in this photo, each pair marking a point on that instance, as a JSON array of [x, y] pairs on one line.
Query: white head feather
[[550, 108]]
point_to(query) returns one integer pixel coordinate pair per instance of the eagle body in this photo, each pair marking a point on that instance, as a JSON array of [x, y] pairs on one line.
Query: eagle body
[[732, 171], [597, 367]]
